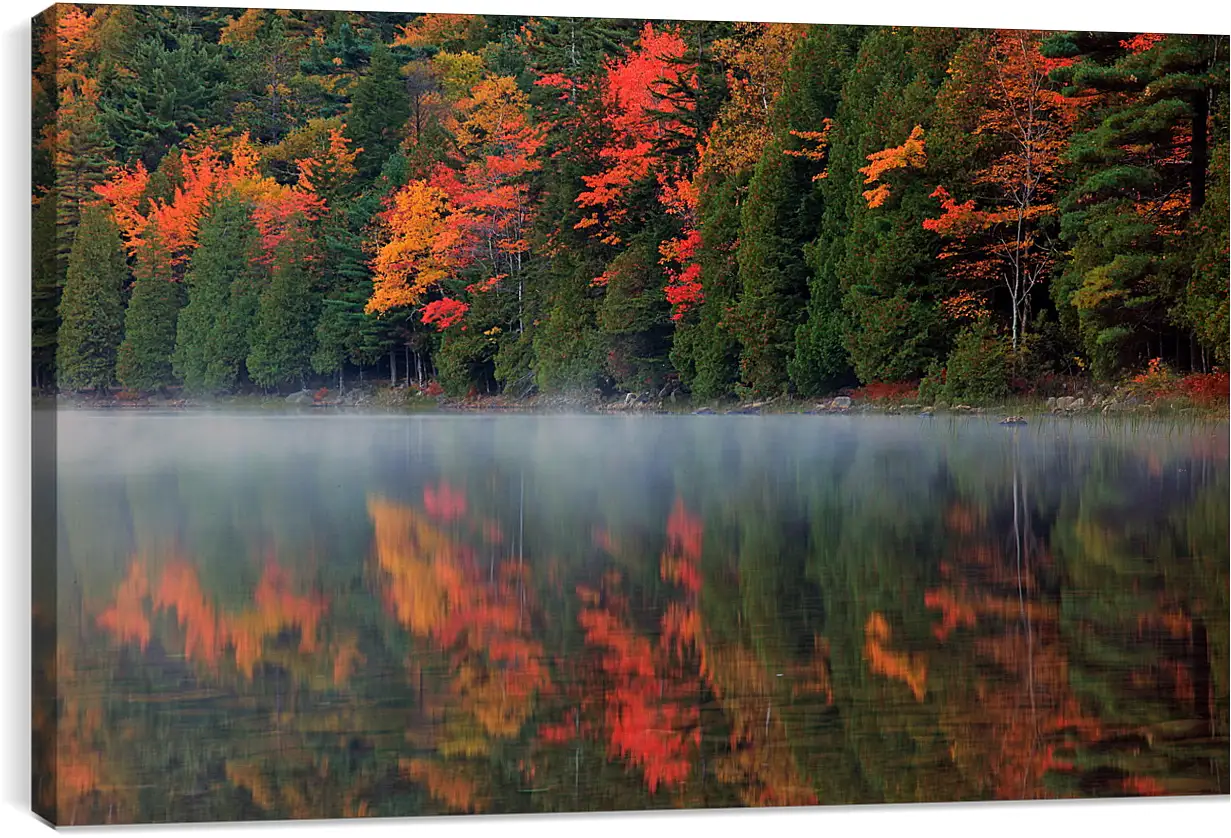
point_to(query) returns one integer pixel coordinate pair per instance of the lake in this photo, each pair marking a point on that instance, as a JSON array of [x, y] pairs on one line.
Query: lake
[[303, 616]]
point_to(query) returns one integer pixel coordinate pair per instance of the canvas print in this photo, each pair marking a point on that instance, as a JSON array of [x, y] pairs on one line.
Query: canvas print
[[445, 413]]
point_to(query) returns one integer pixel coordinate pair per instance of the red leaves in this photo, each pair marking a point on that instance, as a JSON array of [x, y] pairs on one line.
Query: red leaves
[[443, 502], [684, 289], [638, 112], [444, 312]]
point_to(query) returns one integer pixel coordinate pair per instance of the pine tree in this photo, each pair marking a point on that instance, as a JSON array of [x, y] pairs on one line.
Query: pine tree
[[1141, 180], [92, 306], [222, 257], [379, 111], [144, 361], [164, 92]]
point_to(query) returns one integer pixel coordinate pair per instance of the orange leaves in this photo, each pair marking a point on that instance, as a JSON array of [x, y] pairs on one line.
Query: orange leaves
[[819, 150], [910, 668], [206, 176], [910, 154], [126, 619]]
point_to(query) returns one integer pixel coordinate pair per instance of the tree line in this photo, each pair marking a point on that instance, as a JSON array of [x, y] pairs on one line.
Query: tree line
[[230, 200]]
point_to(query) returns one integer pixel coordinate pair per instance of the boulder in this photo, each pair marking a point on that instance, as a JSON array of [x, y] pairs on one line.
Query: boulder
[[841, 402], [302, 397], [1064, 403], [705, 411], [1078, 404], [1051, 402]]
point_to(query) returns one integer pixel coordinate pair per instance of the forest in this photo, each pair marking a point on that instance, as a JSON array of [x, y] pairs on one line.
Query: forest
[[234, 201]]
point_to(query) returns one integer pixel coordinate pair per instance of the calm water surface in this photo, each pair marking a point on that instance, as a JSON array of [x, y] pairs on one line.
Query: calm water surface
[[307, 617]]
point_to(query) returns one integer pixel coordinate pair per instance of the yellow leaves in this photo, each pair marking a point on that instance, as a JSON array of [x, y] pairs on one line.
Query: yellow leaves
[[413, 259], [457, 72], [416, 556], [243, 29], [911, 154]]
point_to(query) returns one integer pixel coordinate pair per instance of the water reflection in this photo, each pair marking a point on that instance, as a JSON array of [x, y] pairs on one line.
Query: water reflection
[[273, 617]]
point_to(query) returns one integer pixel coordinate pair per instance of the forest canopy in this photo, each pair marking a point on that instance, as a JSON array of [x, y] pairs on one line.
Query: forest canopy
[[233, 200]]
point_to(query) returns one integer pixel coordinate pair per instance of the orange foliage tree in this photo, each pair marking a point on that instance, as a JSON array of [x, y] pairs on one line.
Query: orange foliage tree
[[996, 237]]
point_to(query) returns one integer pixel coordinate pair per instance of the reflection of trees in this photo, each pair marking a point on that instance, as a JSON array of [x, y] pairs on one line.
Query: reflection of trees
[[479, 620], [866, 621]]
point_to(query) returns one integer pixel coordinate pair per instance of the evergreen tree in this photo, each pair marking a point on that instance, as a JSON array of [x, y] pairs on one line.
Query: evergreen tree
[[379, 111], [92, 305], [169, 84], [45, 292], [878, 260], [782, 212], [282, 336], [1146, 148], [144, 361], [203, 356]]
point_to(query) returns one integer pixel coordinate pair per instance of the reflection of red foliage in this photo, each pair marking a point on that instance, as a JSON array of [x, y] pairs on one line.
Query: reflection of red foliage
[[444, 503], [647, 727]]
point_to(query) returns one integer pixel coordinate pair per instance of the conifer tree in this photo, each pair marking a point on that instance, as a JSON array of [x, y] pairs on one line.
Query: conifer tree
[[282, 336], [144, 361], [380, 108], [222, 257], [92, 305]]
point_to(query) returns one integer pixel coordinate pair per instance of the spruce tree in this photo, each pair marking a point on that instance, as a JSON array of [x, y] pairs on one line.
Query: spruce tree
[[782, 212], [144, 362], [92, 305]]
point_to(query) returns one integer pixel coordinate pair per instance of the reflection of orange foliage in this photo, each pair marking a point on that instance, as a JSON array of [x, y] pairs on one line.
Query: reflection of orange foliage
[[910, 668], [436, 591], [208, 633], [454, 791], [180, 590], [126, 619]]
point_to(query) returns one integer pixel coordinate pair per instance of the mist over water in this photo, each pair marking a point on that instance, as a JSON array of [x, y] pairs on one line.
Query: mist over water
[[428, 614]]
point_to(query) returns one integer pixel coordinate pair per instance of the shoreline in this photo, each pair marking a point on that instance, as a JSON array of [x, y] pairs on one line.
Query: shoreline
[[394, 402]]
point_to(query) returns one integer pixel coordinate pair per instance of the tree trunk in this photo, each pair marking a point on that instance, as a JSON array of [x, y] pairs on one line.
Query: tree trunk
[[393, 368], [1200, 150]]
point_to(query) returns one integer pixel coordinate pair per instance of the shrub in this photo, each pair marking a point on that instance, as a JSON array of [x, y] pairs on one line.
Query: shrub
[[979, 367], [1206, 389], [882, 391]]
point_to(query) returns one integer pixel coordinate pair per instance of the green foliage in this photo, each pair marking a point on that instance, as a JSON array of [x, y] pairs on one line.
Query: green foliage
[[378, 113], [92, 305], [976, 372], [144, 361], [282, 335], [205, 358], [169, 83]]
